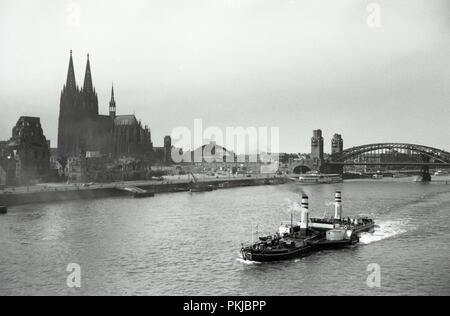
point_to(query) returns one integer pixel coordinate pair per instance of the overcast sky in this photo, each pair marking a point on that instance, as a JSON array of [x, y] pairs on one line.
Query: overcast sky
[[298, 65]]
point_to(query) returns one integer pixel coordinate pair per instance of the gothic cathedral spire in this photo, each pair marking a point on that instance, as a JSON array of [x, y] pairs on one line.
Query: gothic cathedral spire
[[88, 87], [112, 104], [112, 95], [69, 108], [70, 83], [90, 101]]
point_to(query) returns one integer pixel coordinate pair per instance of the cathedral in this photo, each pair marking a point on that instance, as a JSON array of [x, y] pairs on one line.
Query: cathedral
[[82, 129]]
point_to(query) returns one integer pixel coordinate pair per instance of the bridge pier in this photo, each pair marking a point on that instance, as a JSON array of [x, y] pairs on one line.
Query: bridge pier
[[425, 173], [335, 169]]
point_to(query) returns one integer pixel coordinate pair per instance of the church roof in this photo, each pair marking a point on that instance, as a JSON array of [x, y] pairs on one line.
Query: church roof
[[125, 120], [30, 119]]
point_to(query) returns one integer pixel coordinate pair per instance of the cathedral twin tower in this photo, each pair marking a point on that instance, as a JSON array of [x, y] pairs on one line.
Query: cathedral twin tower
[[81, 128]]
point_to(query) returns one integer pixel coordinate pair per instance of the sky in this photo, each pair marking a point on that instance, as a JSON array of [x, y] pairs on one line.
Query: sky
[[372, 74]]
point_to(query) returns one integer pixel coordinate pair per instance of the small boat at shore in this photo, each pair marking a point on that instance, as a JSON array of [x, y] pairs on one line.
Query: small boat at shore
[[441, 173], [309, 235], [137, 192], [377, 176], [201, 187]]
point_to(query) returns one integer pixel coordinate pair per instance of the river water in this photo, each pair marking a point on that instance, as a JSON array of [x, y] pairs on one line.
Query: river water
[[188, 243]]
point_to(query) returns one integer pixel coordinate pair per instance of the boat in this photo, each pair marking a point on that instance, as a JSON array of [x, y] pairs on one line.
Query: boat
[[377, 176], [137, 192], [299, 239], [441, 173], [200, 187], [318, 178], [143, 194]]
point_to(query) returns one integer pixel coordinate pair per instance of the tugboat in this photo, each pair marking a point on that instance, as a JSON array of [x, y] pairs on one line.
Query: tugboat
[[308, 235]]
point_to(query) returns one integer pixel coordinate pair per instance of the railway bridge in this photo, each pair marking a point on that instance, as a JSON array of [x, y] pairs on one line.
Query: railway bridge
[[396, 155]]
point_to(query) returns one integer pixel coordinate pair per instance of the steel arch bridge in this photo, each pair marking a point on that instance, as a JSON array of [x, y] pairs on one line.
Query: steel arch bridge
[[429, 154]]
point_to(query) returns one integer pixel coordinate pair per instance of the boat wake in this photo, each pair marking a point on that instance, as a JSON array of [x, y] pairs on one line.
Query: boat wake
[[384, 230], [247, 261]]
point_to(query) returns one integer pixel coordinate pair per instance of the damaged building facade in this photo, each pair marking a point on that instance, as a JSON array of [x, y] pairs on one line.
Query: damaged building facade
[[25, 158]]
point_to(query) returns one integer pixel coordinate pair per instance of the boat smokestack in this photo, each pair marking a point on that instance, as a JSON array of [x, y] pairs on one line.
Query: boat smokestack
[[338, 205], [305, 203], [305, 216]]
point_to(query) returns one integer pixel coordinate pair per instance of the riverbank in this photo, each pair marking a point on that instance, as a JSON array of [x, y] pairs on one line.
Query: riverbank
[[63, 192], [54, 192]]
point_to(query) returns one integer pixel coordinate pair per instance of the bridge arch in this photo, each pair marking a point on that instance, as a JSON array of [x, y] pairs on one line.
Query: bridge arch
[[301, 169], [430, 153]]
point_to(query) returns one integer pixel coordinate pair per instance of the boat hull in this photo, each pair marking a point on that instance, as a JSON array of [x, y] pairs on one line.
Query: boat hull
[[201, 188], [269, 257], [311, 246], [336, 244], [299, 252]]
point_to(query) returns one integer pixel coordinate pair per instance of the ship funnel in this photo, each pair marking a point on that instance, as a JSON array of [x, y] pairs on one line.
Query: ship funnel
[[338, 205], [305, 203], [305, 215]]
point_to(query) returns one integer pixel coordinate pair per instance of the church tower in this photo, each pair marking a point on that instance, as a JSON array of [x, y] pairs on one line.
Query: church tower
[[68, 110], [70, 82], [82, 130], [90, 100], [112, 105]]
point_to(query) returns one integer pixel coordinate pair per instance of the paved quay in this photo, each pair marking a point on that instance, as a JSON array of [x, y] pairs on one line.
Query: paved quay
[[49, 192]]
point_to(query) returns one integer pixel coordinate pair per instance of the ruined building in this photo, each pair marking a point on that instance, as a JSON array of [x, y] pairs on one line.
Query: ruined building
[[82, 129], [25, 158]]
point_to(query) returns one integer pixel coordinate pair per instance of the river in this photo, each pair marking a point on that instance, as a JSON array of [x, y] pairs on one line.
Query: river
[[188, 243]]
